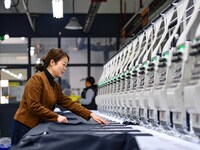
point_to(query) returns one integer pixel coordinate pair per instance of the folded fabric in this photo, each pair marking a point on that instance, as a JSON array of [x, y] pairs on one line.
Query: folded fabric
[[82, 127], [78, 142]]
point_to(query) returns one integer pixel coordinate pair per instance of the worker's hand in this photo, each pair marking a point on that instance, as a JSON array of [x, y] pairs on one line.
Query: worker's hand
[[98, 119], [62, 119]]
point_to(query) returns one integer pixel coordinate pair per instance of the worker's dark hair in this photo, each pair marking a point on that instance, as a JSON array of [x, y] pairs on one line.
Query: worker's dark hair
[[90, 80], [56, 54]]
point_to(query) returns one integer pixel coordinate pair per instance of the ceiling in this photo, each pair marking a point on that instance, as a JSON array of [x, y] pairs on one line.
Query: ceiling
[[89, 8], [81, 6]]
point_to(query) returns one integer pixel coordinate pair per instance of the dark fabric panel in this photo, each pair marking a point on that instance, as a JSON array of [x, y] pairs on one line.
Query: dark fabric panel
[[102, 133], [78, 142], [80, 134], [57, 127]]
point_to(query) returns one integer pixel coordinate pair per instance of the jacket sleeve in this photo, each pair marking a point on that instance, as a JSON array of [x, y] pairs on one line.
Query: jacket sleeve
[[74, 107], [33, 98]]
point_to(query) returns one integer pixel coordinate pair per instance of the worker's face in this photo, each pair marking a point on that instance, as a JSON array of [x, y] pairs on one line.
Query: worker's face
[[59, 68], [87, 84]]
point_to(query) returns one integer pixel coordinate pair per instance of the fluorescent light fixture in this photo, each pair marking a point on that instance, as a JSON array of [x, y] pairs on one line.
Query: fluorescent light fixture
[[19, 76], [57, 6], [22, 38], [73, 24], [7, 4]]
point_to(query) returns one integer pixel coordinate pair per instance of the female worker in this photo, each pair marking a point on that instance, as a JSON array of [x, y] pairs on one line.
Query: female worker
[[41, 93]]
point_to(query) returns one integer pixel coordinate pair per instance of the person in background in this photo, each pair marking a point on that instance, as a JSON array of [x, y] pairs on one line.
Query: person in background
[[89, 93], [42, 93]]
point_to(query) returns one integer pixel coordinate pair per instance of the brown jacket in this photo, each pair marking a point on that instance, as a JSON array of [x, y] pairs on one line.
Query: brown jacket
[[39, 98]]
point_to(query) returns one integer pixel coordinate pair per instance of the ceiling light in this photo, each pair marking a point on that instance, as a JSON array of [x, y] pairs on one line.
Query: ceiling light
[[57, 6], [6, 36], [22, 38], [7, 4], [19, 76], [73, 22]]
